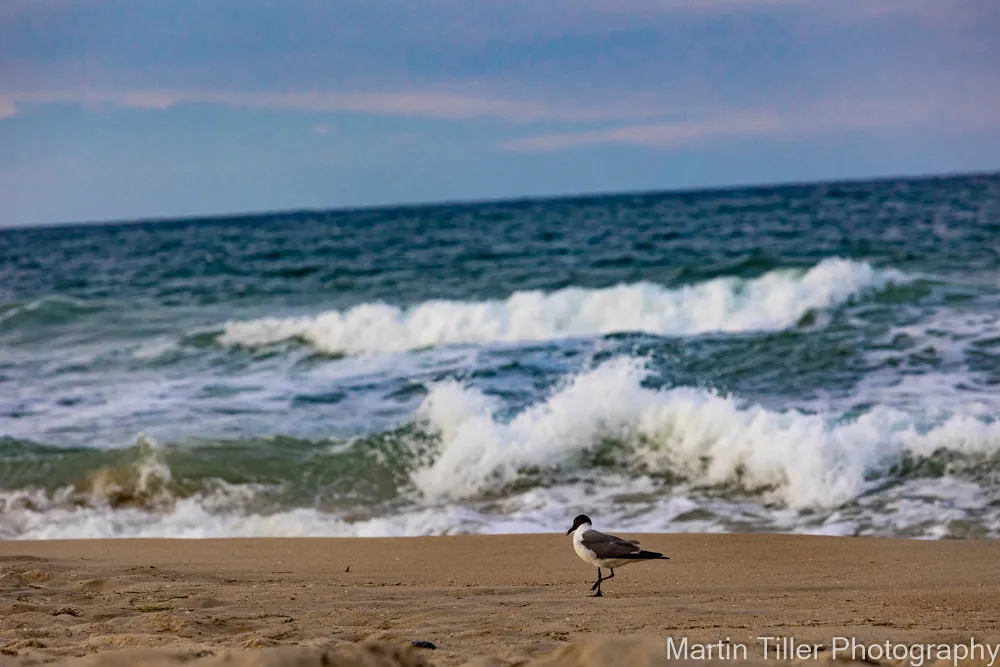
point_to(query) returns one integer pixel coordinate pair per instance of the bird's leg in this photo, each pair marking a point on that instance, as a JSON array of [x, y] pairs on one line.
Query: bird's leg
[[597, 584], [612, 575]]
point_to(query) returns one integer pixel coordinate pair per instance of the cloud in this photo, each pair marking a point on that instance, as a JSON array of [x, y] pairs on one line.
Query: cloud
[[7, 108], [974, 113], [158, 101], [660, 135], [414, 104], [559, 60]]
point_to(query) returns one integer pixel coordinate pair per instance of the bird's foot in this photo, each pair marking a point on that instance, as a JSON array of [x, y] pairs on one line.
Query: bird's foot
[[598, 594]]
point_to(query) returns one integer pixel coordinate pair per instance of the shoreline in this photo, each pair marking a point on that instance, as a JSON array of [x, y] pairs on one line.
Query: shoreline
[[506, 598]]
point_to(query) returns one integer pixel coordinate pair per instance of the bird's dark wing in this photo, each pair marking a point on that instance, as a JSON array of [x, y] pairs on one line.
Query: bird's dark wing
[[609, 546]]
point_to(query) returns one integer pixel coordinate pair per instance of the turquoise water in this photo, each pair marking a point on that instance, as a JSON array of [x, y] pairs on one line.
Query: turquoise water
[[821, 359]]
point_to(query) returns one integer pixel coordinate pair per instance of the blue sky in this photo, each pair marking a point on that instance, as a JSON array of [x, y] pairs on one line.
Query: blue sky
[[115, 109]]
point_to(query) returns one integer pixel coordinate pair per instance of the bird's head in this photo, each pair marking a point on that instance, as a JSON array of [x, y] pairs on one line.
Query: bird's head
[[579, 521]]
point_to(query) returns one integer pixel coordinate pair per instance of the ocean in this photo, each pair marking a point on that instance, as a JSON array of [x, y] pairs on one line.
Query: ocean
[[820, 359]]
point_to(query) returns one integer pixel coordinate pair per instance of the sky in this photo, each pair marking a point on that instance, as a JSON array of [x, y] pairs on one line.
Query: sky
[[137, 109]]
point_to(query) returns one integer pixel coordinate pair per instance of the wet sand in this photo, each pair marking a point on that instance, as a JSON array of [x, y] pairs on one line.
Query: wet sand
[[482, 600]]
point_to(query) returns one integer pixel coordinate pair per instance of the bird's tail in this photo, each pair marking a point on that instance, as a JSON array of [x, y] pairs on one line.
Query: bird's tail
[[650, 555]]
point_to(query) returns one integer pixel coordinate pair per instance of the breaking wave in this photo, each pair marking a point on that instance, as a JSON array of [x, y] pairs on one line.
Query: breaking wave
[[605, 417], [777, 300], [602, 440]]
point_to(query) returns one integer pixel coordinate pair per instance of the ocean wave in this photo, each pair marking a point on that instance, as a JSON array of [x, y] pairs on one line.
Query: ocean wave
[[464, 445], [606, 416], [38, 476], [216, 515], [281, 471], [774, 301], [929, 508], [946, 356], [684, 458], [55, 310]]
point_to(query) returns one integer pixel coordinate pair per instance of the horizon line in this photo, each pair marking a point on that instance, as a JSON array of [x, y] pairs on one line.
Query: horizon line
[[515, 199]]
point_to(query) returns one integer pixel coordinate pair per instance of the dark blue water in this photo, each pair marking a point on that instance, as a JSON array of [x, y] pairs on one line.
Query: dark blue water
[[811, 359]]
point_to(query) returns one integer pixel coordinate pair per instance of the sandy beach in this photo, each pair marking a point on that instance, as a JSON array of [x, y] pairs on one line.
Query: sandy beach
[[496, 600]]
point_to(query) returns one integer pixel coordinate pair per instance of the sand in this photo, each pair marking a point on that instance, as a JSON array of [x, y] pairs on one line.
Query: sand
[[482, 600]]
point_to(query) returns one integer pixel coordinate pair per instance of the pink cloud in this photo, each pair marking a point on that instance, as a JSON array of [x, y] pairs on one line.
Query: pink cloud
[[7, 108], [159, 101], [971, 113], [416, 104], [661, 135], [419, 104], [963, 108]]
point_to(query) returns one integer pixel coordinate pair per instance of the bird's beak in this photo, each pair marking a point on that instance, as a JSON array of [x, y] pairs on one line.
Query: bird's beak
[[569, 531]]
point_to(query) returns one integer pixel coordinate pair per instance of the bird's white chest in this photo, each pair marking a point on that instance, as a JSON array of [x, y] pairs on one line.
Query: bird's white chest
[[583, 552]]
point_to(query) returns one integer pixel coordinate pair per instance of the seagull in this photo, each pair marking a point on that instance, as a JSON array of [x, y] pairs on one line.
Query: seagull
[[605, 550]]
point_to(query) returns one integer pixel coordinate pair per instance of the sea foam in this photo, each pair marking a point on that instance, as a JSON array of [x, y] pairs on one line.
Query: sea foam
[[800, 460], [674, 459], [773, 301]]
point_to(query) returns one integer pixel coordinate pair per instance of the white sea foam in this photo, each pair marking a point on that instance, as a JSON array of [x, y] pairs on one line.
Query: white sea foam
[[246, 403], [774, 301], [221, 513], [800, 460], [198, 517], [929, 508], [774, 464], [940, 361], [805, 462]]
